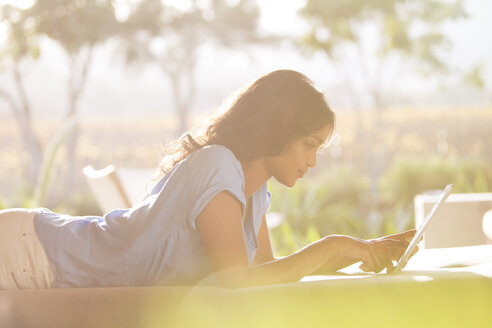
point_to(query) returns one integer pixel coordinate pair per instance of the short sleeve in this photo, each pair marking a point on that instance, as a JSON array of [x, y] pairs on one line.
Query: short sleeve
[[266, 206], [213, 169], [264, 199]]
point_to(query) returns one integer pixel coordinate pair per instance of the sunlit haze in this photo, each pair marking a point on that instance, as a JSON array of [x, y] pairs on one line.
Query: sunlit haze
[[120, 89]]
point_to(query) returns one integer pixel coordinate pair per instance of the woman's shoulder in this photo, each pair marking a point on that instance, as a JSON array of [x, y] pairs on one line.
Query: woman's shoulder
[[203, 162], [214, 156], [215, 152], [217, 161]]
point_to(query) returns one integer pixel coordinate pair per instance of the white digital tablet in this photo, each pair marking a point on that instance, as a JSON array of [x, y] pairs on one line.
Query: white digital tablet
[[420, 231]]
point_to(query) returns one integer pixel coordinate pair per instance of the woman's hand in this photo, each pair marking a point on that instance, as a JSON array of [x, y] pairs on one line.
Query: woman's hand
[[394, 246], [375, 254], [372, 253]]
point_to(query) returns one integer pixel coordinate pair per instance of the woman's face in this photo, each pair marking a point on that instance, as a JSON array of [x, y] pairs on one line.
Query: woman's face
[[295, 160]]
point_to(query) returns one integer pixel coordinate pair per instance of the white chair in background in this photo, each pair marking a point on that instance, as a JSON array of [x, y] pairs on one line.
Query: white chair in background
[[135, 182], [461, 221], [117, 188]]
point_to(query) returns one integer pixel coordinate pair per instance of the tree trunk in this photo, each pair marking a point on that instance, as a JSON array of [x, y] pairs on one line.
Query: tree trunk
[[183, 88], [33, 146], [29, 139], [180, 69], [374, 148], [180, 109], [23, 117], [75, 88]]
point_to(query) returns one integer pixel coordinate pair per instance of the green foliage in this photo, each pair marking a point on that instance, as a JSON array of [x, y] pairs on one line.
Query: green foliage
[[48, 161], [82, 203], [396, 20], [475, 76], [23, 39], [312, 208], [409, 176], [338, 201], [74, 24], [407, 28]]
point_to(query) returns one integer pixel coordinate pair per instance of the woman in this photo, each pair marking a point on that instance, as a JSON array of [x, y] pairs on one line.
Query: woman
[[205, 217]]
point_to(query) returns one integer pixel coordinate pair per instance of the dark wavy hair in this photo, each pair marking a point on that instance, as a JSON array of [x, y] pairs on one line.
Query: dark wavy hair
[[262, 120]]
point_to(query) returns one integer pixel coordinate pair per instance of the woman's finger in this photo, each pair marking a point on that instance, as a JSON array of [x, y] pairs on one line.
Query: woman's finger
[[414, 251], [381, 253], [381, 258], [407, 235], [390, 242], [369, 261], [385, 257], [394, 247]]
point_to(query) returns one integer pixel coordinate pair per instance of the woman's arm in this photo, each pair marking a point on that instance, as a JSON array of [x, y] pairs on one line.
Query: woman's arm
[[220, 227], [264, 252], [333, 265]]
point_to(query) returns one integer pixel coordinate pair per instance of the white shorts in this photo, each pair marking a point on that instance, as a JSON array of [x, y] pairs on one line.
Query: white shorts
[[23, 262]]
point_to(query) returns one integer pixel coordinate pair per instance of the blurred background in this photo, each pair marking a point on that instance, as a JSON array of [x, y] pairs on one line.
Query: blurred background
[[98, 82]]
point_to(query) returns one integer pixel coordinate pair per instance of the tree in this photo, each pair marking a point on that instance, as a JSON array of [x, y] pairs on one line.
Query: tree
[[405, 34], [172, 37], [21, 48], [78, 27], [476, 79]]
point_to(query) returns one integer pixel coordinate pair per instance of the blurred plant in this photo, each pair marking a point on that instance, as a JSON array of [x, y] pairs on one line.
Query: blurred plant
[[49, 159], [408, 176], [331, 204], [171, 36], [83, 203], [338, 201], [475, 78]]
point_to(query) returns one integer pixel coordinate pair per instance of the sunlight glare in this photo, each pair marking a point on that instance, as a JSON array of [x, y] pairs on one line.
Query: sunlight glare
[[21, 4], [422, 278], [487, 224], [283, 18]]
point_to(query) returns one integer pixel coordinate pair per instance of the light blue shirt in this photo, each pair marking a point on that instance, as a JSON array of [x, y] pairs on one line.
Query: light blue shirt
[[156, 242]]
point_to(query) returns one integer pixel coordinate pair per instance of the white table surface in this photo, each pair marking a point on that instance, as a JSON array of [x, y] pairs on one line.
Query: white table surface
[[474, 259]]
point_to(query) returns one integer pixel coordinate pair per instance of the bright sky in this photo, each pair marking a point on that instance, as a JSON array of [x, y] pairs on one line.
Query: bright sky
[[280, 18], [18, 3]]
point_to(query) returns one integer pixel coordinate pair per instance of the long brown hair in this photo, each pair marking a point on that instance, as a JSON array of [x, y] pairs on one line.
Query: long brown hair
[[262, 120]]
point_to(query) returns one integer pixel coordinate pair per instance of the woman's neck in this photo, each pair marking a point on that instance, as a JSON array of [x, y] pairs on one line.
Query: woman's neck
[[255, 176]]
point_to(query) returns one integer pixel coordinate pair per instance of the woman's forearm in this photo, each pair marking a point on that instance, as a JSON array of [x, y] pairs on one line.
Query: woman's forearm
[[290, 268], [334, 265]]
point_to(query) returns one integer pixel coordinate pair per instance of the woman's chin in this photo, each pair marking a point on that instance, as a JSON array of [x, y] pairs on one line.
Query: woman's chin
[[287, 181], [290, 183]]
